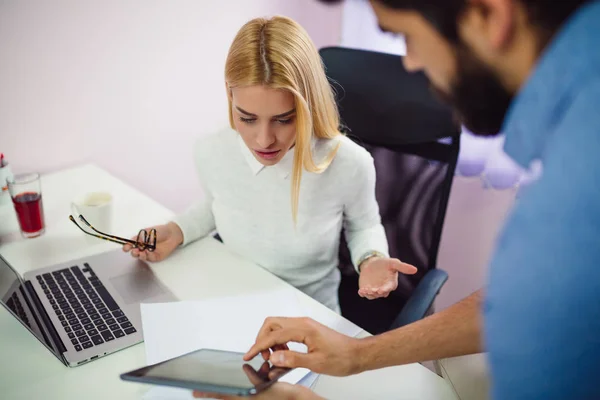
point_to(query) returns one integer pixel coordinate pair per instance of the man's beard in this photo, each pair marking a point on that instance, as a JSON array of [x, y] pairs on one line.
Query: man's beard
[[477, 95]]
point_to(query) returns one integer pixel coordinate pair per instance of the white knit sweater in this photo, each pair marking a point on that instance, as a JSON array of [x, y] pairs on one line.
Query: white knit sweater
[[249, 205]]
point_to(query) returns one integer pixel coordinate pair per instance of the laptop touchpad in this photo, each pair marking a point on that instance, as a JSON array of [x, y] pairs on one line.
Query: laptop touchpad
[[137, 286]]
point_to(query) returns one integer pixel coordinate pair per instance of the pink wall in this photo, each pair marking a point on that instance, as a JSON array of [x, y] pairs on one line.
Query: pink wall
[[474, 219], [128, 85]]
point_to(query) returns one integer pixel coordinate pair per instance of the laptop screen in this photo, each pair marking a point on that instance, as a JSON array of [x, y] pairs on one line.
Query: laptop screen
[[13, 297]]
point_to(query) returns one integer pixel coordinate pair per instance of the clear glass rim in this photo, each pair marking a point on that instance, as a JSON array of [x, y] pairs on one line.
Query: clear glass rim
[[23, 179]]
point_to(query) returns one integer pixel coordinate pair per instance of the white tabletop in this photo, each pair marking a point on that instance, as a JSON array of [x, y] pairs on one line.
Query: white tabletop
[[201, 270]]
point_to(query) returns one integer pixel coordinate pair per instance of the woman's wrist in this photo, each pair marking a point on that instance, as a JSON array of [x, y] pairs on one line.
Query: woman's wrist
[[367, 258], [176, 232]]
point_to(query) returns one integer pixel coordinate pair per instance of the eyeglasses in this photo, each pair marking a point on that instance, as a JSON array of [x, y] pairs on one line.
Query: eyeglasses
[[144, 240]]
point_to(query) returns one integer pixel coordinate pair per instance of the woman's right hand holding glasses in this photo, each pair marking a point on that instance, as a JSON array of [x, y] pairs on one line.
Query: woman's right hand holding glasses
[[168, 237]]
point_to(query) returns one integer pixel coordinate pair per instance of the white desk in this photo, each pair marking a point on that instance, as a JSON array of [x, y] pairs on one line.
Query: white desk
[[202, 270]]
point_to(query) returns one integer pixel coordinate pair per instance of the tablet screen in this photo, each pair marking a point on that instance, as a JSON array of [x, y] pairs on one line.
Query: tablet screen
[[213, 367]]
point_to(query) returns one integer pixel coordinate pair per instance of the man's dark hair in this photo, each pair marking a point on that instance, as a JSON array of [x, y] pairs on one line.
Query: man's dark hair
[[547, 15]]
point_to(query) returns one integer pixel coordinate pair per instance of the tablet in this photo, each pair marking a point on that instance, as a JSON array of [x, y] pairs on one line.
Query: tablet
[[211, 371]]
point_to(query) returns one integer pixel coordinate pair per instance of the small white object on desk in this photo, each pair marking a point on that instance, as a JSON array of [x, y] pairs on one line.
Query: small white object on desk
[[96, 208]]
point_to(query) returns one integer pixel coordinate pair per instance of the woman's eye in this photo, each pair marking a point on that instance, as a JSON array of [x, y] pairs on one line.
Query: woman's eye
[[247, 120], [285, 121]]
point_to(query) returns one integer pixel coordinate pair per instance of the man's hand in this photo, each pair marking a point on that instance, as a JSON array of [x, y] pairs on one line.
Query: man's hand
[[278, 391], [329, 352], [379, 276], [455, 331]]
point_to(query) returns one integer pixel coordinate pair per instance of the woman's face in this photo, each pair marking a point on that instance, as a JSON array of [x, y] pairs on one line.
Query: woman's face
[[266, 120]]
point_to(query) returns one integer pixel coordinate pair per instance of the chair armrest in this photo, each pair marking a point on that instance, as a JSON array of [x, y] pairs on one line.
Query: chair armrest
[[421, 299]]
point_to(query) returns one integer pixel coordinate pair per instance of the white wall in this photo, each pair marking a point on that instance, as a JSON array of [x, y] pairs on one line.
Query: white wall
[[361, 31], [127, 84]]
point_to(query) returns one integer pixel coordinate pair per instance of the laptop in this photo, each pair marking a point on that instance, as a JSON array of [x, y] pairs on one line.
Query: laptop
[[83, 309]]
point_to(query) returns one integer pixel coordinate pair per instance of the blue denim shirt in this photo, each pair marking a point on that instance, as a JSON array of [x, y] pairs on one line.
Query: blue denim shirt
[[542, 306]]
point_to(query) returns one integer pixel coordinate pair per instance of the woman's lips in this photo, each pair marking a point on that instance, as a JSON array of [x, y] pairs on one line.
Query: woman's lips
[[267, 155]]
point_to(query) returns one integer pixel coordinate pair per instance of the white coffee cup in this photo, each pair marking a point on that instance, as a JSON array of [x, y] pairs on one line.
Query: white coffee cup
[[96, 208]]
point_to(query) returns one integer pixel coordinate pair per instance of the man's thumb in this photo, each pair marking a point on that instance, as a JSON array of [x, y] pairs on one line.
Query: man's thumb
[[290, 359]]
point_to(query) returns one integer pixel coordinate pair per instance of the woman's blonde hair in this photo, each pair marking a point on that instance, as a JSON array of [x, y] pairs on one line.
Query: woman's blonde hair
[[278, 53]]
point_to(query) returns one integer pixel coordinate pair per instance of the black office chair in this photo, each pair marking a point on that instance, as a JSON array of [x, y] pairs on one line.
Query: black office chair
[[414, 141]]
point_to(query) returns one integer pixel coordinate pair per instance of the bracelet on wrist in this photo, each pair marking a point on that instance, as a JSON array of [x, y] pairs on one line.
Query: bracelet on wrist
[[368, 255]]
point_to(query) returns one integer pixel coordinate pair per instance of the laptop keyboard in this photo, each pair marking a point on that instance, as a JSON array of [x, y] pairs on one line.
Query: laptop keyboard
[[15, 305], [88, 313]]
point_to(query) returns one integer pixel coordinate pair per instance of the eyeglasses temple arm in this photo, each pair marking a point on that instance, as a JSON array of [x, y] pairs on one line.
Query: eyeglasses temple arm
[[110, 239]]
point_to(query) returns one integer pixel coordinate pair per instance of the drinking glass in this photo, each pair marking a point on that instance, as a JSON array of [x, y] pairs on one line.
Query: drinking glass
[[26, 193]]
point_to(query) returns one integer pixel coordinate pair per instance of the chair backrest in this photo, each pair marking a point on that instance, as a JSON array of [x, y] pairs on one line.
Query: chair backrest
[[414, 140]]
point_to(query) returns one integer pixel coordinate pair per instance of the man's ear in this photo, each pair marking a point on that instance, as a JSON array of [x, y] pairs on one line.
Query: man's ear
[[488, 25]]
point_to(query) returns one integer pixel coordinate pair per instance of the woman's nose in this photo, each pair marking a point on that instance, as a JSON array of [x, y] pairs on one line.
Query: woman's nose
[[265, 137]]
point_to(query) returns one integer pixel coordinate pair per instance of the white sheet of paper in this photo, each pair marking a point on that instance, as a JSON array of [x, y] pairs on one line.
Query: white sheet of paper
[[226, 323]]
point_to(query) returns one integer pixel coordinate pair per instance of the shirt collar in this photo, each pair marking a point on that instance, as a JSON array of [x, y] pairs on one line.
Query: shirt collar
[[253, 163], [561, 70], [283, 167]]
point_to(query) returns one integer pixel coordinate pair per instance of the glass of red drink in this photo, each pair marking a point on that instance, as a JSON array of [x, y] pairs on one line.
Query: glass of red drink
[[26, 193]]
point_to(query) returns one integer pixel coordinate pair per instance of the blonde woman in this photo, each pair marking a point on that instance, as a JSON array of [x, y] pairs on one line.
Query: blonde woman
[[282, 182]]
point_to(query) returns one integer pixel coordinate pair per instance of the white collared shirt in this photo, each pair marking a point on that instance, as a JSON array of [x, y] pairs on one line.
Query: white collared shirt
[[249, 205], [283, 167]]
